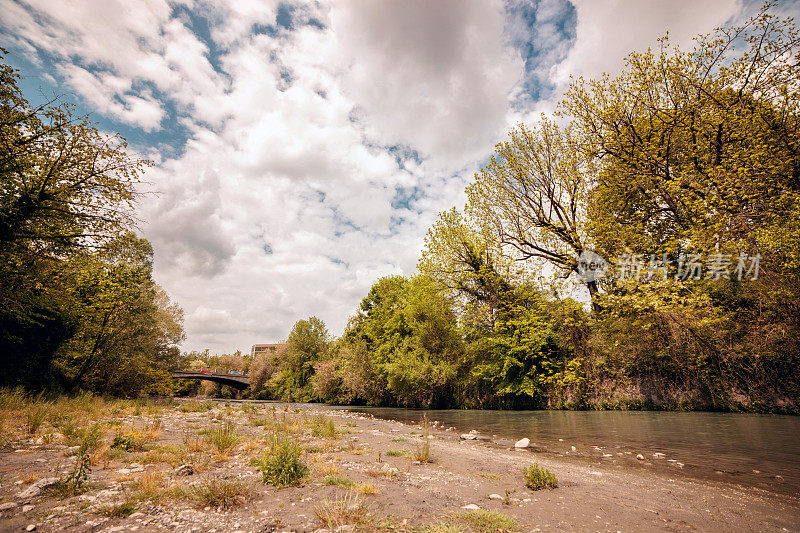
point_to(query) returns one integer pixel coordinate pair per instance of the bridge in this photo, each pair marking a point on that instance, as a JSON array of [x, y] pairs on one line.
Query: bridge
[[237, 381]]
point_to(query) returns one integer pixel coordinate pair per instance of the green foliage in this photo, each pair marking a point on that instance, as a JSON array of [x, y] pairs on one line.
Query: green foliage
[[78, 306], [322, 426], [349, 509], [35, 416], [224, 437], [219, 493], [307, 344], [338, 480], [537, 477], [281, 464], [487, 521], [423, 450], [74, 483]]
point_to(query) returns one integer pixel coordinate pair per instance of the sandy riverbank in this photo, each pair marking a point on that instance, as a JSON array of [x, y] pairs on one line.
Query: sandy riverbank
[[368, 467]]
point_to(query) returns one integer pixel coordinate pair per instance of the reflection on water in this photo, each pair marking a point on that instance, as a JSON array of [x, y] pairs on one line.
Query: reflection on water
[[707, 443]]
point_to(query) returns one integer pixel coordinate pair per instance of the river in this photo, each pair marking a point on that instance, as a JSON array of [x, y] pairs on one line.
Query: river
[[750, 449]]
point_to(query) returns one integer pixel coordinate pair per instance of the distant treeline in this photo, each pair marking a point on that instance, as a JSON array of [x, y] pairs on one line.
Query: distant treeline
[[685, 169]]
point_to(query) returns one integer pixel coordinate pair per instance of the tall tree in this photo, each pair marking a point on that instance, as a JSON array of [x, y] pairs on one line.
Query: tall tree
[[65, 189], [533, 194]]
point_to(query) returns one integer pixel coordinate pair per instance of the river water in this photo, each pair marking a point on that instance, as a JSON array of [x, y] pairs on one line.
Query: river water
[[750, 449]]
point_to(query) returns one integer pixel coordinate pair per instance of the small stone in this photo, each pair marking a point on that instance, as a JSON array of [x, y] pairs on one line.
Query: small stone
[[31, 527], [659, 455], [522, 443], [7, 506], [471, 507], [26, 508], [184, 470], [468, 436], [495, 497], [573, 448], [37, 487], [640, 457]]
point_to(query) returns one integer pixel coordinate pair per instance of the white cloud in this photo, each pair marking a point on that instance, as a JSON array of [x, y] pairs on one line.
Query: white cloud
[[435, 76], [608, 31]]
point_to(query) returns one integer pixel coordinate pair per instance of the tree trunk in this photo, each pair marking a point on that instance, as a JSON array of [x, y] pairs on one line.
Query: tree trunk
[[592, 286]]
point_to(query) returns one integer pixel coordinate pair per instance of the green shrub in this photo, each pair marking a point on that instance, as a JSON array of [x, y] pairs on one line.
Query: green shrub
[[194, 406], [423, 453], [338, 480], [322, 426], [281, 464], [537, 477], [488, 521], [13, 399], [224, 437], [395, 453], [349, 510], [219, 493], [35, 416]]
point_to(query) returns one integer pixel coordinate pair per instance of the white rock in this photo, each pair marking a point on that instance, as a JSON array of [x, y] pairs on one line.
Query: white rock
[[573, 448], [640, 457], [471, 507], [468, 436], [522, 443], [30, 527], [7, 506], [658, 455], [495, 497], [37, 487], [26, 508]]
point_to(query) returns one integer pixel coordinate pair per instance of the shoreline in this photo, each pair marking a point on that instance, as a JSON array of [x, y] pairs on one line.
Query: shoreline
[[369, 461]]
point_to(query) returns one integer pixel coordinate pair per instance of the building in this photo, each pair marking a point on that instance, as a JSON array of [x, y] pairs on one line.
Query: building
[[261, 348]]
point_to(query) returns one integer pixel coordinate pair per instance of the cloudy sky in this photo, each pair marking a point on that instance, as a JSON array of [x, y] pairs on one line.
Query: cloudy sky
[[303, 149]]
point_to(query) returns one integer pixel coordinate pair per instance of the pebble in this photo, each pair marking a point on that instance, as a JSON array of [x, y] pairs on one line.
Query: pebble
[[471, 507], [30, 527], [573, 448], [659, 455], [640, 457], [37, 487], [468, 436], [184, 470], [26, 508], [522, 443], [495, 497]]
